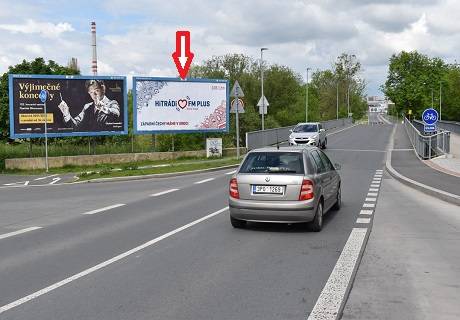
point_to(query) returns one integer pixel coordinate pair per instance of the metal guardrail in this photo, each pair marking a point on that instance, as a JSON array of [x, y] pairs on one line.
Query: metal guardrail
[[452, 126], [427, 146], [259, 139]]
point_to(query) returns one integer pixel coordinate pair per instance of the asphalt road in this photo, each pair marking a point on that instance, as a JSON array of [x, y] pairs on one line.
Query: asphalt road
[[207, 270]]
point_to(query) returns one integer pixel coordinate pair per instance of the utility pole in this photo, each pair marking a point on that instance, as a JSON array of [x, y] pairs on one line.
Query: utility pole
[[306, 99], [262, 84], [337, 99]]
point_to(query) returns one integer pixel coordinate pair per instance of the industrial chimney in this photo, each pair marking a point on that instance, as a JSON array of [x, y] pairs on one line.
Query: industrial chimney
[[93, 44]]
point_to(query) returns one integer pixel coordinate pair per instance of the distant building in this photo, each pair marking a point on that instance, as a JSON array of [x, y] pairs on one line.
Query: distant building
[[378, 104], [73, 64]]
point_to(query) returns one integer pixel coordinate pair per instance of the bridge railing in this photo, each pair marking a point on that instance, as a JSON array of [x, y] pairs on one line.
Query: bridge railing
[[427, 146], [452, 126], [259, 139]]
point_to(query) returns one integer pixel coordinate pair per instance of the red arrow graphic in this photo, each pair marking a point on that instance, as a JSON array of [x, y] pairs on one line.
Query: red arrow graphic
[[183, 56]]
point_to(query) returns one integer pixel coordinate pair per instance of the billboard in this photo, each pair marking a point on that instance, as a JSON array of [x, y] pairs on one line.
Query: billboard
[[76, 106], [169, 105]]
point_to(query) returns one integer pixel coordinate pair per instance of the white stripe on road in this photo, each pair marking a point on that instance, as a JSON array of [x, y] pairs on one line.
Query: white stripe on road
[[11, 234], [377, 179], [231, 172], [55, 180], [378, 175], [379, 170], [369, 205], [105, 208], [363, 220], [366, 212], [374, 189], [163, 192], [371, 199], [330, 134], [372, 194], [333, 294], [104, 264], [203, 181], [375, 186], [42, 178]]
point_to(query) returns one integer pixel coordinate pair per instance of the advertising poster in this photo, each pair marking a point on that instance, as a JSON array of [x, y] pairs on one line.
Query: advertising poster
[[76, 106], [170, 105], [213, 147]]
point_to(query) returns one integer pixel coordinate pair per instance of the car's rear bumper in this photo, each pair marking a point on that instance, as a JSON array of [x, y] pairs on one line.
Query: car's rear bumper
[[272, 211]]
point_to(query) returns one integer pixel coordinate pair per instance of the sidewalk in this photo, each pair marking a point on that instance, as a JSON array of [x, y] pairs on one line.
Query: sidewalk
[[406, 163], [411, 265], [449, 164]]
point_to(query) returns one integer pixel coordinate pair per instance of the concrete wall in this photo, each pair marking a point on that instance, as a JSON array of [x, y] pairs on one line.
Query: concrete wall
[[89, 160]]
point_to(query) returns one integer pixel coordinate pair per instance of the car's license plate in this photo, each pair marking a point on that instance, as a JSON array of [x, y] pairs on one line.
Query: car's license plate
[[268, 189]]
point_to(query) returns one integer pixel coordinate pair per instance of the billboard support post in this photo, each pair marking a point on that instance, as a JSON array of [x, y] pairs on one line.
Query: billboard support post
[[237, 129], [46, 138]]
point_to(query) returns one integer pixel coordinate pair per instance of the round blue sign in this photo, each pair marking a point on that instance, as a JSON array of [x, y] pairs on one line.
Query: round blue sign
[[43, 95], [430, 116]]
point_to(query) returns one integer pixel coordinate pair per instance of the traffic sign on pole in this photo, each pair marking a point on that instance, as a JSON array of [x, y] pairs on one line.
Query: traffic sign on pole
[[237, 91], [430, 116], [263, 104], [240, 106]]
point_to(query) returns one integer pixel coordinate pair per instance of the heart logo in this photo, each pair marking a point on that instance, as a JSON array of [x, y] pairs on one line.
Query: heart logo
[[182, 103]]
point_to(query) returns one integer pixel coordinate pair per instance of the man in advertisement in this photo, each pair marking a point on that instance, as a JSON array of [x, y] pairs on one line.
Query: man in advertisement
[[97, 115]]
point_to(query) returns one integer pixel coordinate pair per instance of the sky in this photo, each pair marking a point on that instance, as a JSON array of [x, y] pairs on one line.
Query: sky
[[137, 37]]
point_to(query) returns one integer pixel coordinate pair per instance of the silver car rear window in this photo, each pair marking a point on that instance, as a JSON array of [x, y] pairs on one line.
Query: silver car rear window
[[273, 162]]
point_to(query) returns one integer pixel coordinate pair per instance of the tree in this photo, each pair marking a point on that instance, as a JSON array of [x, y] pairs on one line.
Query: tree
[[37, 66]]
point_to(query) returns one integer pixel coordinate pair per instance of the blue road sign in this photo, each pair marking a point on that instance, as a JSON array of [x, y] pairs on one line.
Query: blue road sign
[[430, 116], [429, 128], [43, 95]]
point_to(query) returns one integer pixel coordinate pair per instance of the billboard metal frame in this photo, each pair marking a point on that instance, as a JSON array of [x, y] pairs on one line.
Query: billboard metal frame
[[66, 134], [203, 80]]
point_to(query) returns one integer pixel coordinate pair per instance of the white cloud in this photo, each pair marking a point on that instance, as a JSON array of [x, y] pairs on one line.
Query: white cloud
[[45, 29]]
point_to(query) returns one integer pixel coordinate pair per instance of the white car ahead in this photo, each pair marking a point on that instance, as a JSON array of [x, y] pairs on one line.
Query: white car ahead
[[308, 133]]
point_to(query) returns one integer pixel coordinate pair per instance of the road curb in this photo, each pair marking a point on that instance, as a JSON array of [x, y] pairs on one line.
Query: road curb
[[157, 175], [443, 195]]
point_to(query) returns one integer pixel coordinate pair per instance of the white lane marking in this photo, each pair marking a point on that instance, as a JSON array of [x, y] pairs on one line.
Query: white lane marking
[[372, 194], [163, 192], [43, 178], [374, 189], [357, 150], [105, 263], [203, 181], [20, 184], [363, 220], [379, 170], [369, 205], [54, 180], [231, 172], [375, 185], [105, 208], [366, 212], [371, 199], [378, 175], [332, 296], [377, 179], [330, 134], [11, 234]]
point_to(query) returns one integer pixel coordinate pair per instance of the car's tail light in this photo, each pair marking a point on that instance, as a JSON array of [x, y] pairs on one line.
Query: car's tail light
[[306, 190], [233, 189]]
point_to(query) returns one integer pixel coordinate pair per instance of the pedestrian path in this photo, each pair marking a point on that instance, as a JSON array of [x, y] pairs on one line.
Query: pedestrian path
[[406, 163]]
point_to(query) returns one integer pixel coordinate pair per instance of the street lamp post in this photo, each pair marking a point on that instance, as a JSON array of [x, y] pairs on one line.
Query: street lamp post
[[337, 99], [348, 100], [306, 99], [432, 98], [262, 84]]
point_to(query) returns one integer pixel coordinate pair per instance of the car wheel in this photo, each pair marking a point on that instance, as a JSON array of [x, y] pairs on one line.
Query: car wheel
[[317, 223], [236, 223], [338, 202]]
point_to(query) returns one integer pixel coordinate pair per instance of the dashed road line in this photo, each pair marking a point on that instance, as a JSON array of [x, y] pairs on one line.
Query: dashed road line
[[369, 205], [366, 212], [15, 233], [55, 180], [373, 189], [363, 220], [43, 178], [203, 181], [163, 192], [375, 185], [333, 294], [86, 272], [231, 172], [372, 194], [105, 208], [371, 199]]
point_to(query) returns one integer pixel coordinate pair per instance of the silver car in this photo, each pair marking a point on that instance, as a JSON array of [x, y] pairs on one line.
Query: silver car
[[308, 133], [285, 185]]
